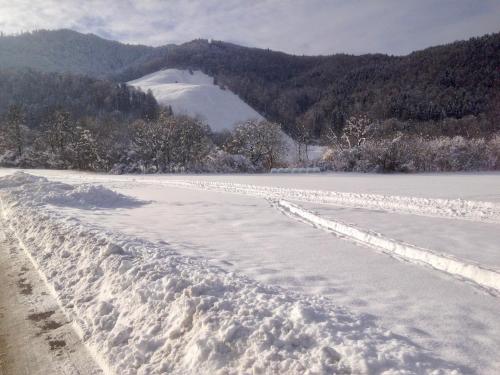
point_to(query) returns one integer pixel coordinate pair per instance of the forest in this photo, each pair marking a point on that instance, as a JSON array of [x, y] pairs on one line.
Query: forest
[[433, 110], [322, 92]]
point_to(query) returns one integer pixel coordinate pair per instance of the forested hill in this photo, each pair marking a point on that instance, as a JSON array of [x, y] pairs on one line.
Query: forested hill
[[450, 81], [316, 93], [70, 52], [40, 94]]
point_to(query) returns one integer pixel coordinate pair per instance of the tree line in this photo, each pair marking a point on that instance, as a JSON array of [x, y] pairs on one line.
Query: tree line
[[371, 146], [426, 89], [166, 143], [171, 143], [40, 94]]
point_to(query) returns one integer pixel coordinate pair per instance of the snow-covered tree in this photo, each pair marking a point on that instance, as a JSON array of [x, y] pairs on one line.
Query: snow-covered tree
[[171, 142], [192, 141], [84, 150], [262, 142], [356, 130], [58, 131]]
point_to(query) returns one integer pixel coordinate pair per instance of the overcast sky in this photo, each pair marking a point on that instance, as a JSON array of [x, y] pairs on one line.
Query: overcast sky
[[294, 26]]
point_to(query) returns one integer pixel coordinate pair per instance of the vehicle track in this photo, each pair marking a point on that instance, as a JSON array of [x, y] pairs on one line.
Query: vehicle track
[[489, 212], [477, 273], [479, 211]]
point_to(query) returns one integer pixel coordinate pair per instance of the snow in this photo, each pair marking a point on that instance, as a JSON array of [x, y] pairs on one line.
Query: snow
[[84, 196], [247, 235], [196, 95], [145, 309], [296, 170], [479, 274], [450, 208], [474, 242]]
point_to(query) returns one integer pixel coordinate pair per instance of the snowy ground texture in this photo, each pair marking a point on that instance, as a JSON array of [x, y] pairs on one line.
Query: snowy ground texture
[[146, 309], [483, 276], [449, 208], [165, 267]]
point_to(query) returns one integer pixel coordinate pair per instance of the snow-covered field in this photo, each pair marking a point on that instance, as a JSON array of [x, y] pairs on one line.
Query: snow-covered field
[[212, 274]]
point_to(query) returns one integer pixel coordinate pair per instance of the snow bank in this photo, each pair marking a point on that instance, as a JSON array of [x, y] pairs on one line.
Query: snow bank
[[446, 208], [144, 309], [84, 196], [481, 275], [90, 197]]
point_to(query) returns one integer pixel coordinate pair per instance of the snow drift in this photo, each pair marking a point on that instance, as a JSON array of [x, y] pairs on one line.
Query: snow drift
[[195, 94], [83, 196], [144, 309]]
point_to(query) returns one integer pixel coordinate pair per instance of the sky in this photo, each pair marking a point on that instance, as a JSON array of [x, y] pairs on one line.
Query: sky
[[307, 27]]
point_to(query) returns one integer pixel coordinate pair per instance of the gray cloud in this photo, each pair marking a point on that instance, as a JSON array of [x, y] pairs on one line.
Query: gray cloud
[[294, 26]]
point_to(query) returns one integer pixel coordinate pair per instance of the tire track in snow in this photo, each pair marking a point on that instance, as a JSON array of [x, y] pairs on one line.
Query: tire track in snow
[[485, 277], [488, 212]]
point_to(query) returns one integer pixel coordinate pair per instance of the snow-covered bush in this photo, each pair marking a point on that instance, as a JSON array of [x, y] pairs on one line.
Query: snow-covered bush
[[457, 154], [220, 161], [338, 159], [416, 154]]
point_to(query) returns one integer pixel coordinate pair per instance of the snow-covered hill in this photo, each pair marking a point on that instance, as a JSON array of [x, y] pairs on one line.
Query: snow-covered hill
[[195, 94]]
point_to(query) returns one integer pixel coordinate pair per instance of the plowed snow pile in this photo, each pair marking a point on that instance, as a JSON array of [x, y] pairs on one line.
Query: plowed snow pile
[[147, 310], [84, 196]]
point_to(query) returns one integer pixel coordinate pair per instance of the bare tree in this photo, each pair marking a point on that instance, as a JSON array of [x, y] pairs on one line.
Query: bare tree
[[58, 131], [303, 137], [15, 130], [84, 150], [356, 130]]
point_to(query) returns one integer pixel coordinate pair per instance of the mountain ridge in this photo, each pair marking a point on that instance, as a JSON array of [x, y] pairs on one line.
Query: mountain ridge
[[68, 51], [317, 93]]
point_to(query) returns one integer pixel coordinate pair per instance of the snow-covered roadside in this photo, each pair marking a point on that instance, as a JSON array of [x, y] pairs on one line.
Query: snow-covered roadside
[[148, 310], [446, 208], [479, 274], [35, 336]]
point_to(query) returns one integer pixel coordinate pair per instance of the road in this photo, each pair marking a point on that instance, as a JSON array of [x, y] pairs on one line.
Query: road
[[35, 336]]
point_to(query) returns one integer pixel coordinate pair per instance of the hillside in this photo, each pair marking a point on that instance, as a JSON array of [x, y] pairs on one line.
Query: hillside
[[194, 94], [421, 90], [451, 81], [40, 94], [69, 51]]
